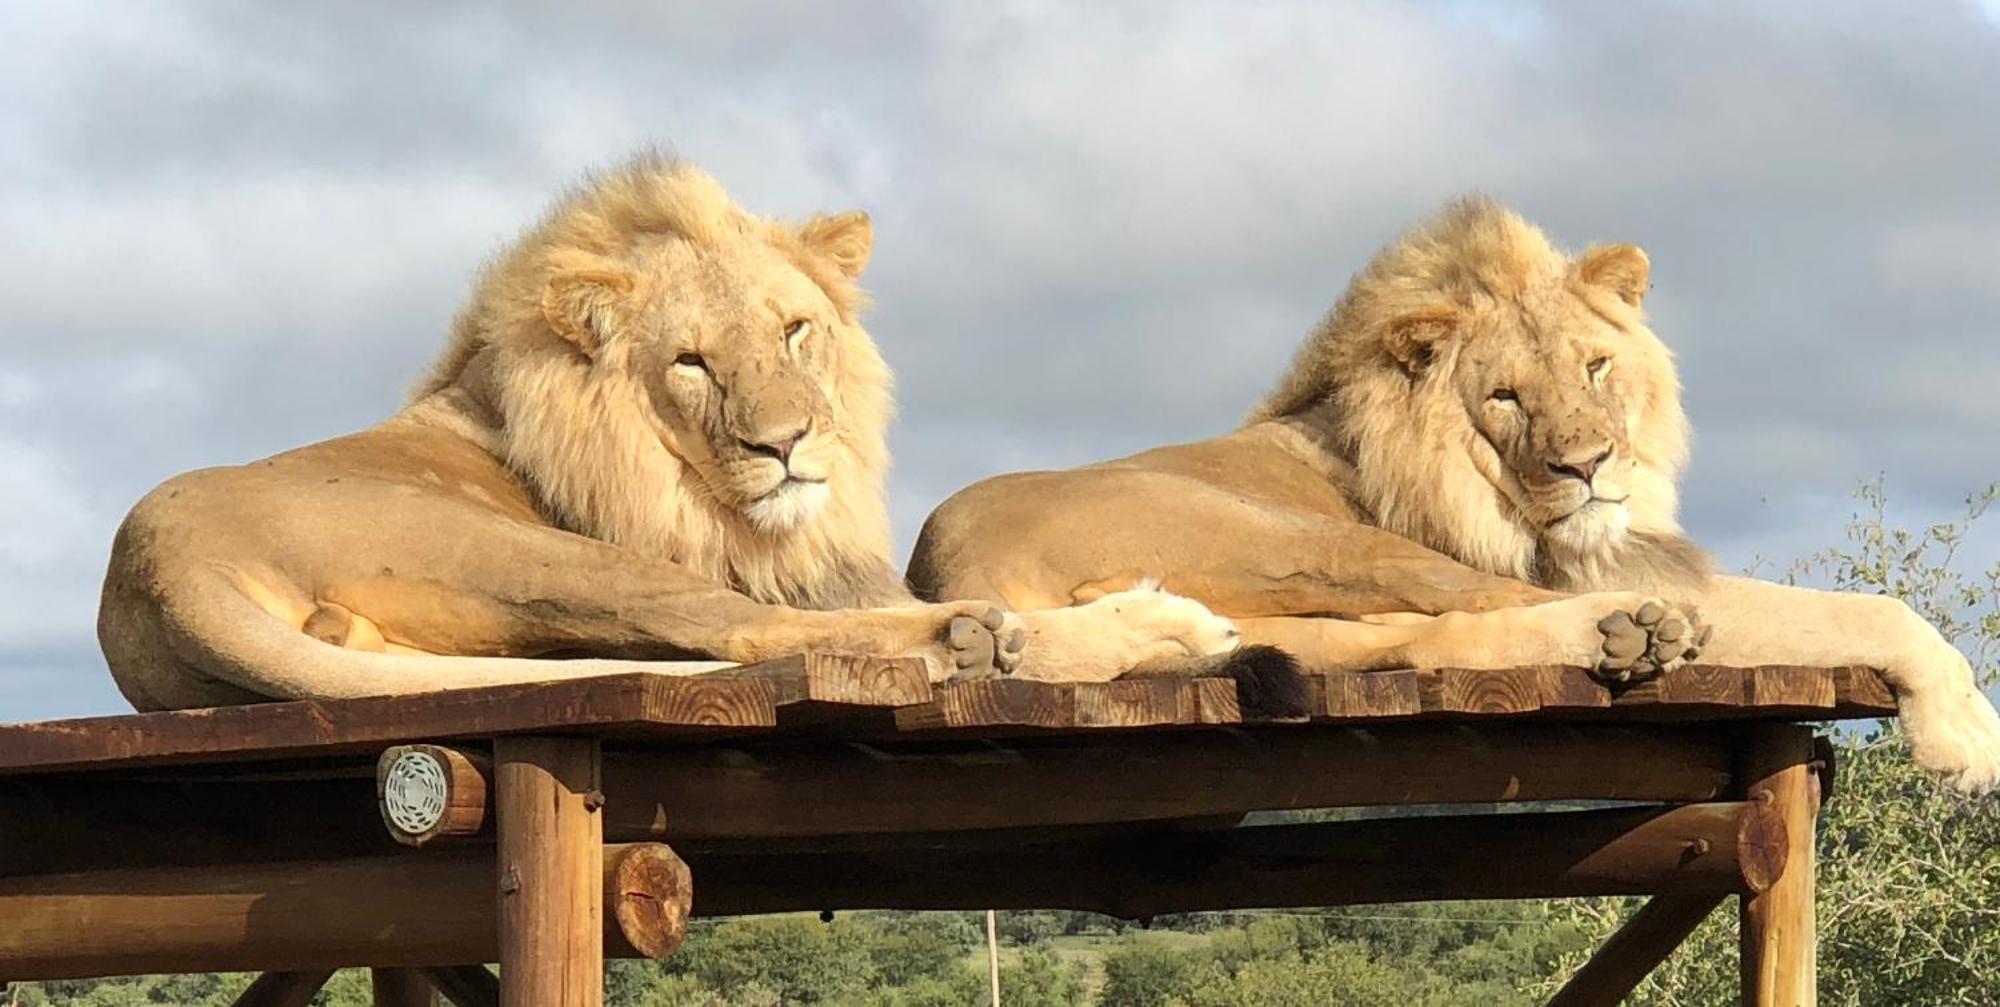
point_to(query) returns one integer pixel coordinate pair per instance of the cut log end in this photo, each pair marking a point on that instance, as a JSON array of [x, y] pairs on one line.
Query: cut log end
[[651, 896]]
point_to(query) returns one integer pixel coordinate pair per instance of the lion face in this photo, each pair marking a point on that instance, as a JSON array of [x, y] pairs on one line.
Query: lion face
[[736, 353], [1550, 411], [738, 365], [1500, 401]]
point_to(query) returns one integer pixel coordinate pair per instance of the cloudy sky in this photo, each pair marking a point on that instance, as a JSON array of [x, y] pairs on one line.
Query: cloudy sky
[[228, 229]]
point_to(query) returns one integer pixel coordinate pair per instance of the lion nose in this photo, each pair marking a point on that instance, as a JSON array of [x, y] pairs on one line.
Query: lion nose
[[778, 446], [1584, 470]]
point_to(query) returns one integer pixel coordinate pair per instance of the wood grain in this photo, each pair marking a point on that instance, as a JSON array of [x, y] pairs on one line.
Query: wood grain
[[546, 796]]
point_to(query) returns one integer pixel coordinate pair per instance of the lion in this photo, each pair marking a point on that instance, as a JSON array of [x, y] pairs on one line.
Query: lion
[[656, 441], [1472, 463]]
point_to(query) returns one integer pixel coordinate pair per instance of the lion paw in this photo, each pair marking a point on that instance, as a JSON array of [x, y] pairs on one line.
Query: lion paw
[[987, 644], [1653, 638]]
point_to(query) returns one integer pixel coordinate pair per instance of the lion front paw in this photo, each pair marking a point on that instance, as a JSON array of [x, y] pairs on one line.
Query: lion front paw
[[1653, 638], [987, 644]]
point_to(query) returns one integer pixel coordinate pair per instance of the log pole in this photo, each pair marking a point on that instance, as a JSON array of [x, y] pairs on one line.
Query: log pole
[[1636, 949], [465, 985], [406, 910], [401, 988], [1778, 938], [284, 989], [547, 796], [425, 792]]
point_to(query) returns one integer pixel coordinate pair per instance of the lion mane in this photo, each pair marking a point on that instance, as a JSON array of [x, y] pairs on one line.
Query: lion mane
[[1405, 438], [576, 430]]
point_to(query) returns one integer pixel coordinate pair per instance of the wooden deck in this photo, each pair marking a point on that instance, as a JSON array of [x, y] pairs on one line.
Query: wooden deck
[[258, 837]]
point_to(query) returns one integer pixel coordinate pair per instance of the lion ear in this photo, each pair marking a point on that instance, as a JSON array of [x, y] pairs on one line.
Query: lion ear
[[844, 239], [1622, 269], [1412, 338], [586, 306]]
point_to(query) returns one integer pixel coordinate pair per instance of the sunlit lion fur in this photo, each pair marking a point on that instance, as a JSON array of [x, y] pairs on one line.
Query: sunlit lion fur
[[655, 443], [1420, 468], [1470, 464], [585, 438]]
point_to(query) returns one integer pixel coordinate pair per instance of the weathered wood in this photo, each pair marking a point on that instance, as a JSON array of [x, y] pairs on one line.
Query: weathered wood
[[1375, 695], [1713, 848], [429, 791], [650, 896], [547, 795], [855, 696], [1778, 941], [283, 989], [465, 985], [1151, 702], [406, 909], [401, 988], [818, 790], [993, 702], [84, 821], [651, 704], [1660, 926]]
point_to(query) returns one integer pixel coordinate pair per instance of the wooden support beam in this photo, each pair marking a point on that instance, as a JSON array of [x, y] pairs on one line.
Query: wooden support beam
[[1708, 848], [401, 988], [1637, 949], [284, 989], [1779, 941], [547, 794], [801, 789], [412, 909], [426, 792], [836, 789], [465, 985]]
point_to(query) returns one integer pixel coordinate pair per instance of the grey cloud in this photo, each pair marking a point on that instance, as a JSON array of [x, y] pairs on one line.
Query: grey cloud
[[233, 228]]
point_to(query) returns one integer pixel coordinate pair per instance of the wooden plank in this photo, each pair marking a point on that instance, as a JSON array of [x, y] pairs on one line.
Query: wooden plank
[[1152, 702], [1369, 695], [1693, 848], [993, 703], [1807, 691], [1659, 927], [410, 909], [1860, 692], [1777, 934], [1486, 693], [283, 989], [547, 793], [692, 707]]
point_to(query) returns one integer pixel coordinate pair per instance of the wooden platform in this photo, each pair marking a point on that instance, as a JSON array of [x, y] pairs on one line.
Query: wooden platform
[[255, 837]]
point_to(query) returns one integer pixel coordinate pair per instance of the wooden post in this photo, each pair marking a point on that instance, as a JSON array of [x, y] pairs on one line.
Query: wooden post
[[550, 871], [401, 988], [1779, 943], [993, 955], [1636, 950], [284, 989]]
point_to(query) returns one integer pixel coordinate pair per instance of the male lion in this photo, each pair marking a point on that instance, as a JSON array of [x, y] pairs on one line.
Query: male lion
[[657, 433], [1483, 430]]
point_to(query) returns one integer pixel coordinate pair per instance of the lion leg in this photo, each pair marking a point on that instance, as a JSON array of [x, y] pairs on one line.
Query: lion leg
[[1618, 635], [1952, 726]]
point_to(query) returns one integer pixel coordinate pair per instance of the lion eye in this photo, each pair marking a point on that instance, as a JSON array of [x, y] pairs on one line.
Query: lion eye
[[691, 360], [1505, 395], [797, 330]]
